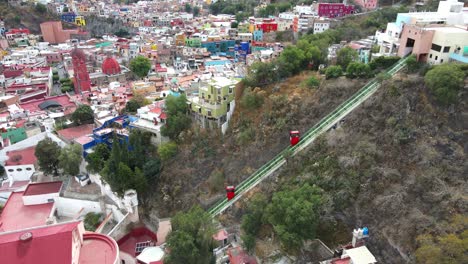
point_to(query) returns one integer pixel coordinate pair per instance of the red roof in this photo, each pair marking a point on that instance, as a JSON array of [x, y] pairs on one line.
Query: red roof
[[221, 235], [156, 110], [128, 242], [33, 105], [98, 248], [43, 188], [21, 157], [238, 256], [163, 116], [75, 132], [16, 215], [49, 244], [110, 66]]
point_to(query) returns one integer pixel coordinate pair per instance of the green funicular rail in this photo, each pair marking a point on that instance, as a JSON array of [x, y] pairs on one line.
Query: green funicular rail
[[323, 125]]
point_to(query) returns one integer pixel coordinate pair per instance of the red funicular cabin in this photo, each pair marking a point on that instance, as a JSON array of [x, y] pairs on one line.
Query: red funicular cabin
[[294, 137], [230, 192]]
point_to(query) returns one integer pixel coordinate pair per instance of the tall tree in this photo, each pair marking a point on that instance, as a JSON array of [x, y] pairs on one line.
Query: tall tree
[[445, 81], [140, 66], [177, 121], [47, 153], [190, 240], [97, 159], [83, 115], [294, 215], [70, 159], [345, 56]]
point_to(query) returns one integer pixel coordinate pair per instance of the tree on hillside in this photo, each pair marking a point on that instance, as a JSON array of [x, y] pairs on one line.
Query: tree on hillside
[[294, 215], [70, 159], [40, 8], [141, 148], [261, 73], [358, 70], [253, 220], [167, 150], [152, 170], [445, 81], [447, 248], [47, 153], [190, 240], [291, 61], [333, 72], [83, 115], [140, 66], [97, 159], [136, 102], [345, 56], [177, 120]]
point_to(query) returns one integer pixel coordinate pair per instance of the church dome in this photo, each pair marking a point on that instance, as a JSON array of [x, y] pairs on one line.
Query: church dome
[[110, 66], [78, 54]]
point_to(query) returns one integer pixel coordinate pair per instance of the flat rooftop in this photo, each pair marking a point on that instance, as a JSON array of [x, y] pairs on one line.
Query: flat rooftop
[[17, 216], [24, 156], [43, 188], [98, 248]]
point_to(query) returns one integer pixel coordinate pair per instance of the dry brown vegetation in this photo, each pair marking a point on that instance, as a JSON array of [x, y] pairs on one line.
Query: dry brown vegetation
[[255, 136]]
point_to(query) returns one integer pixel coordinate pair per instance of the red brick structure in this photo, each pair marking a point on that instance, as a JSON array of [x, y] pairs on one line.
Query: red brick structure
[[81, 79]]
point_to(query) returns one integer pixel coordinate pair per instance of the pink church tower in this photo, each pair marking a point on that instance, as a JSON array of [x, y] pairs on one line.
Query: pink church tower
[[81, 76]]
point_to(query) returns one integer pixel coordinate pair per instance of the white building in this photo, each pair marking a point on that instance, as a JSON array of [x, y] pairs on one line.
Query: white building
[[450, 12], [320, 26], [20, 164]]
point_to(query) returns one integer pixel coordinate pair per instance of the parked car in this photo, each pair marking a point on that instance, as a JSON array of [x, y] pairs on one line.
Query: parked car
[[82, 179]]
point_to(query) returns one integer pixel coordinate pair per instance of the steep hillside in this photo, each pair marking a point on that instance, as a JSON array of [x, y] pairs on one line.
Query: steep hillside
[[25, 16], [397, 165], [207, 160]]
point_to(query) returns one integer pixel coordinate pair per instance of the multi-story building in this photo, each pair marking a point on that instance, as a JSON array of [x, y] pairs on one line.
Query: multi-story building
[[367, 4], [320, 26], [433, 44], [53, 32], [215, 102], [450, 12], [332, 10]]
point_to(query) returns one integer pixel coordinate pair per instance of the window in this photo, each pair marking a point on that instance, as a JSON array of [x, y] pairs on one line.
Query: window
[[19, 169], [11, 170], [436, 47], [436, 57], [446, 49], [28, 169], [441, 60], [231, 90], [209, 113], [430, 56]]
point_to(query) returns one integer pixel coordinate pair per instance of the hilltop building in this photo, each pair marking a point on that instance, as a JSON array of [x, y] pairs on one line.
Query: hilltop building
[[215, 103]]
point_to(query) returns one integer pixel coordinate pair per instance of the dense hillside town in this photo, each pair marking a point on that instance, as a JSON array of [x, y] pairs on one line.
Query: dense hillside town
[[121, 122]]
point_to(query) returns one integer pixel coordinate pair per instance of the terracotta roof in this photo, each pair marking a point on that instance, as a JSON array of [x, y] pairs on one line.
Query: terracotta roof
[[45, 240], [76, 132], [43, 188], [21, 157], [221, 235]]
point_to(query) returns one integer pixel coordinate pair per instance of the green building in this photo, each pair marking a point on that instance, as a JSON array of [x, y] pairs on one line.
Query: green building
[[15, 135], [215, 102], [193, 42]]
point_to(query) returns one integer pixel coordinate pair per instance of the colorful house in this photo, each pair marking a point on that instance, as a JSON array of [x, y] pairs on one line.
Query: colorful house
[[215, 101]]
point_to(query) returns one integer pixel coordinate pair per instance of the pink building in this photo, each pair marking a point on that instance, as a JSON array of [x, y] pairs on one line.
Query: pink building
[[332, 10], [81, 78], [367, 4], [30, 234], [415, 40], [53, 32]]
